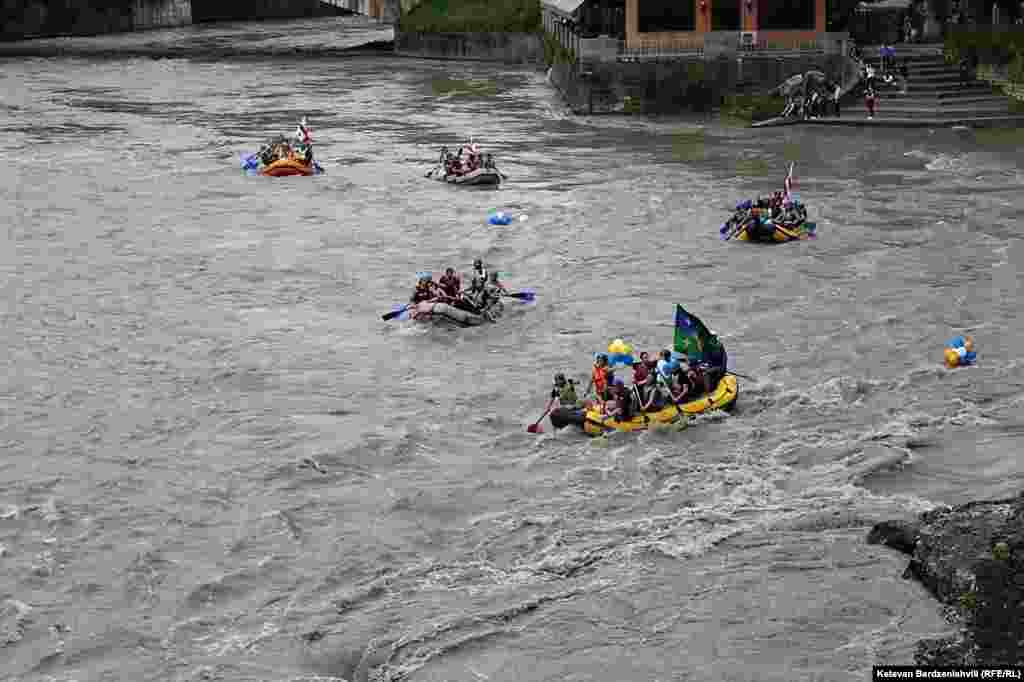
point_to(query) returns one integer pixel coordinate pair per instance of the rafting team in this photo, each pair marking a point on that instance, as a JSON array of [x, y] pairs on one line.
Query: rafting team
[[467, 160], [657, 383], [766, 211], [484, 290], [300, 148]]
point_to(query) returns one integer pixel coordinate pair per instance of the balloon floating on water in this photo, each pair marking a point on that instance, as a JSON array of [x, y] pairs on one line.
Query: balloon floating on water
[[499, 218], [620, 353], [960, 352]]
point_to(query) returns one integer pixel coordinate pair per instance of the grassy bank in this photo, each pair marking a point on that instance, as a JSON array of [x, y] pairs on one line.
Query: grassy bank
[[747, 109], [466, 16]]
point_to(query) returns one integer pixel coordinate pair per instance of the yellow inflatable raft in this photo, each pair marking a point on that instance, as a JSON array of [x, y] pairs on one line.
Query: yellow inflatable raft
[[593, 422]]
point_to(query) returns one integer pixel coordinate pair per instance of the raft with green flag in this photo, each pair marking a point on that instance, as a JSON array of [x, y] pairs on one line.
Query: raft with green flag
[[692, 340]]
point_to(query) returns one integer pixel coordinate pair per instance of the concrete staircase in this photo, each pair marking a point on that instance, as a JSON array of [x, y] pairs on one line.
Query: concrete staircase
[[934, 97], [934, 91]]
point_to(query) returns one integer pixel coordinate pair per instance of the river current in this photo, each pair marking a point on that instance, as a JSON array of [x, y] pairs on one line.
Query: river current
[[219, 463]]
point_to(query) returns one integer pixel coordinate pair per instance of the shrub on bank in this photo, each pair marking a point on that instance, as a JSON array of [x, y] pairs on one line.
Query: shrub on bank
[[554, 53], [998, 47], [469, 16]]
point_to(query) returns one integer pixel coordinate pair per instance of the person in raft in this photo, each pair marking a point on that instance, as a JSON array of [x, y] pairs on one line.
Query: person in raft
[[617, 406], [450, 285], [565, 391], [426, 290], [599, 377], [479, 270], [474, 297], [494, 289]]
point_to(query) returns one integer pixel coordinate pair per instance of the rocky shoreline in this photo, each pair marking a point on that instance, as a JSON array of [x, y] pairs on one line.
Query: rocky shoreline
[[971, 557]]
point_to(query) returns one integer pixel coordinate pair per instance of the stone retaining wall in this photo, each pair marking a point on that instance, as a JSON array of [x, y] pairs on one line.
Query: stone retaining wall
[[678, 85], [512, 48]]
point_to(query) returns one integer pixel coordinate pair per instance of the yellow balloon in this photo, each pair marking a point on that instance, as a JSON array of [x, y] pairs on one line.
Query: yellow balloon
[[952, 358]]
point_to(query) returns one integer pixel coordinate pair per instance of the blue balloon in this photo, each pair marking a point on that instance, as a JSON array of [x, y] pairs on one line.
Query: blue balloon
[[620, 359], [956, 342], [500, 219]]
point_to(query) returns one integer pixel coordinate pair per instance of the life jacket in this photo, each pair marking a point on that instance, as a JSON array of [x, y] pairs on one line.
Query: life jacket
[[600, 377], [567, 394]]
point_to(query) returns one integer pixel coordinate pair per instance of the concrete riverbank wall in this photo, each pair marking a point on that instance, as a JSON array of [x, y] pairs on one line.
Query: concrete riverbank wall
[[36, 18], [20, 19]]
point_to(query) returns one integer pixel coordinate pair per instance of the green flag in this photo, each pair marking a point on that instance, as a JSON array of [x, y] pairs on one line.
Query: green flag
[[693, 340]]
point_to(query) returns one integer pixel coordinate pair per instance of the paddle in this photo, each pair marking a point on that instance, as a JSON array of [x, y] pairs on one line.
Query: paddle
[[640, 404], [525, 296], [733, 228], [741, 376], [536, 427], [395, 313]]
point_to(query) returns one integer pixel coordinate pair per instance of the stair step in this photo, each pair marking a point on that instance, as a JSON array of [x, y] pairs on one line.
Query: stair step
[[900, 121], [988, 106], [972, 87], [912, 62], [935, 101], [928, 112], [952, 77], [951, 68]]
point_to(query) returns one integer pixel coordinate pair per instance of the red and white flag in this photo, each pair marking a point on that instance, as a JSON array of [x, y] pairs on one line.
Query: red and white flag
[[302, 133], [788, 185]]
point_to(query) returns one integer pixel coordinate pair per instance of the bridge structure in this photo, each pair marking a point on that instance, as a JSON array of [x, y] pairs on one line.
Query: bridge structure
[[21, 19]]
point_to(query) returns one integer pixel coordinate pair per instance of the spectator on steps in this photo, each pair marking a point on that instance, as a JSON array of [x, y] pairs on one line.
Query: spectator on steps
[[870, 101], [965, 71]]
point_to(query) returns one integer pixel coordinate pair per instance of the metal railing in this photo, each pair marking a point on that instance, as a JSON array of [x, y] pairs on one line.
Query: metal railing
[[689, 52], [643, 54]]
